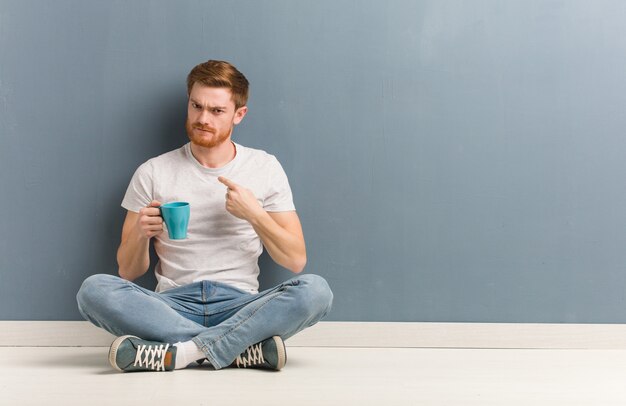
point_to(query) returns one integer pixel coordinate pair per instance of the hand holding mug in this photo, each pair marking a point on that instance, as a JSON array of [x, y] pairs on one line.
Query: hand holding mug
[[150, 221]]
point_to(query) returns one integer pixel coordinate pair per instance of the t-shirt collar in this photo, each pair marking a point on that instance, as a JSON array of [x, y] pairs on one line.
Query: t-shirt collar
[[216, 171]]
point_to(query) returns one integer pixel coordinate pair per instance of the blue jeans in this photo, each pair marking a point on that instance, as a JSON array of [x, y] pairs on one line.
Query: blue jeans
[[222, 320]]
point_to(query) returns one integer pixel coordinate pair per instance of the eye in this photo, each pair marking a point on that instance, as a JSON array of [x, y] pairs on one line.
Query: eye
[[218, 111], [195, 105]]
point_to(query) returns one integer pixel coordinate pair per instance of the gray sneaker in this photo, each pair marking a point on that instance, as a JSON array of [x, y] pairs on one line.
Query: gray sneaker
[[130, 353], [270, 354]]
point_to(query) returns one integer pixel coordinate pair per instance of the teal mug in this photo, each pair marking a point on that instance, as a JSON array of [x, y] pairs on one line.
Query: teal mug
[[176, 218]]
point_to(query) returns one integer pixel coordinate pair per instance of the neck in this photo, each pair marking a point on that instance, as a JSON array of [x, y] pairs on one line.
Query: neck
[[214, 157]]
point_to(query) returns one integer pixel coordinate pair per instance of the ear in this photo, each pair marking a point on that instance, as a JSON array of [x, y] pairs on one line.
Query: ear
[[240, 114]]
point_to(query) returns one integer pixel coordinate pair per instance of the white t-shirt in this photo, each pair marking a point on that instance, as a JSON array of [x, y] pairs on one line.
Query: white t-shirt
[[219, 246]]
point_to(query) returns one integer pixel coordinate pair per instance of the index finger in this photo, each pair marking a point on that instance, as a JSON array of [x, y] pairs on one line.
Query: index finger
[[150, 211], [229, 183]]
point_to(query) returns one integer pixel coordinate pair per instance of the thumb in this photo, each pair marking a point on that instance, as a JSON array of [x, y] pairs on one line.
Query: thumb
[[154, 203]]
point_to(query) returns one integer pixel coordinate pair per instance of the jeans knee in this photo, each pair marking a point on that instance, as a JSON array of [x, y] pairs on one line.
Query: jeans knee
[[93, 290], [316, 295]]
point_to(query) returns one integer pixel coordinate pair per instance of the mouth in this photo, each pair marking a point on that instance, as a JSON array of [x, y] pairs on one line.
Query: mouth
[[203, 130]]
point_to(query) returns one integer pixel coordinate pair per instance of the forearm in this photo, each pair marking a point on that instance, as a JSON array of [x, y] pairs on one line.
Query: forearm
[[285, 248], [133, 256]]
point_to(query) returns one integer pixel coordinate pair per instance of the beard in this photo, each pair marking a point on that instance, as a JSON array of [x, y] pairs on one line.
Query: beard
[[209, 139]]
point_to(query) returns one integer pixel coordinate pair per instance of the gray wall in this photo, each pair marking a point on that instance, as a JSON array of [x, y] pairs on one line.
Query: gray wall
[[450, 160]]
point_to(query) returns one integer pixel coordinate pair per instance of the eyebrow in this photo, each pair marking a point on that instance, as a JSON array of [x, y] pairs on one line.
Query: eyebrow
[[211, 107]]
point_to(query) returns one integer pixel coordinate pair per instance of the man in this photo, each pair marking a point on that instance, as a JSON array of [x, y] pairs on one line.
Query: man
[[206, 304]]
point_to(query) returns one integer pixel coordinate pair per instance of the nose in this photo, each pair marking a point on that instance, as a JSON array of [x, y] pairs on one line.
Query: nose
[[203, 118]]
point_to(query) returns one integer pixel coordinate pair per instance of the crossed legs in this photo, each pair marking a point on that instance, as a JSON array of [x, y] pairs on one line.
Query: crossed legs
[[222, 321]]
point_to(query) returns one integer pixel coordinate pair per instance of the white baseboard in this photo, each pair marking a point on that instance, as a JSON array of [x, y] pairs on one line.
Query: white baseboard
[[359, 334]]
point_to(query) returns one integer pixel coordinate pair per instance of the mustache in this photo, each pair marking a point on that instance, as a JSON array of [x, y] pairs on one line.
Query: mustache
[[203, 127]]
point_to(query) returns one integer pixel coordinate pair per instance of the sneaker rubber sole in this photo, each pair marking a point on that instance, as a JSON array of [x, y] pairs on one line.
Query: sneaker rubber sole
[[281, 352], [113, 351]]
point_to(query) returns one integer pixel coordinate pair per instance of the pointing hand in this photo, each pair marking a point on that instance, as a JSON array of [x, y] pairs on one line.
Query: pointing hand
[[240, 202]]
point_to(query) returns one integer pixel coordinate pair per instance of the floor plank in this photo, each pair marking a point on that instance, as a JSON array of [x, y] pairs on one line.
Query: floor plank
[[325, 376]]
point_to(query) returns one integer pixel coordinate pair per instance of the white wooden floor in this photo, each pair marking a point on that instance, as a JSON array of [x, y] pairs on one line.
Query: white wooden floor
[[325, 376]]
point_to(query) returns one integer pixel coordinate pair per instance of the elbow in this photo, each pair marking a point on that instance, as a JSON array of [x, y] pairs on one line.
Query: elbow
[[129, 273], [122, 270], [298, 264], [125, 274], [129, 270]]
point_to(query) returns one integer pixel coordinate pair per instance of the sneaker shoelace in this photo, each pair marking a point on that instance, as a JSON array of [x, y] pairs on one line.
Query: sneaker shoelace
[[151, 356], [253, 355]]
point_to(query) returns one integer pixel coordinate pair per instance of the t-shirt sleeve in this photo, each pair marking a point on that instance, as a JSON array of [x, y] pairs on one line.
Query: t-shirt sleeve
[[139, 192], [279, 197]]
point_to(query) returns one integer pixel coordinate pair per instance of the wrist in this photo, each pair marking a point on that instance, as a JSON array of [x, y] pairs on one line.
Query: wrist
[[139, 237], [257, 217]]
